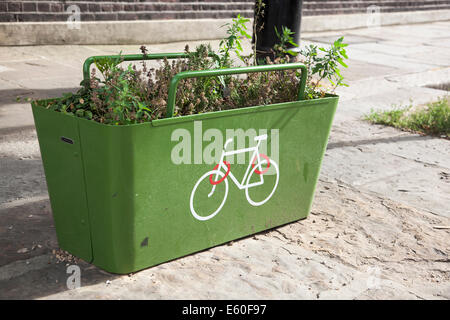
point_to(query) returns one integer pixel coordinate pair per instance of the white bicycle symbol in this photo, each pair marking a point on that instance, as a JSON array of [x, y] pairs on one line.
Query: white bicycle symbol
[[245, 184]]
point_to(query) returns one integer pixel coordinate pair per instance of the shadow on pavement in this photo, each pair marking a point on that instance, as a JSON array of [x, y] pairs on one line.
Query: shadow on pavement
[[28, 268], [355, 143], [13, 130], [9, 96]]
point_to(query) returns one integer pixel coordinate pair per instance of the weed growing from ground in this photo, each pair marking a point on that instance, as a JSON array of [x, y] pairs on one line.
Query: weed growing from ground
[[432, 119]]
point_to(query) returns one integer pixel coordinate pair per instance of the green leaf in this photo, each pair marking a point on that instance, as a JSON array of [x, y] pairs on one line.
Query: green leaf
[[276, 32], [245, 34], [342, 63], [80, 112]]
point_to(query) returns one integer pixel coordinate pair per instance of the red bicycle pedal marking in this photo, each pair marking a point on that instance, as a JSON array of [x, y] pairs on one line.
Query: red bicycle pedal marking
[[224, 177], [268, 164]]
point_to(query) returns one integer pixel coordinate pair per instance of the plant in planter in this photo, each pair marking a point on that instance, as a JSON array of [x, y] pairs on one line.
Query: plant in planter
[[128, 95], [130, 183]]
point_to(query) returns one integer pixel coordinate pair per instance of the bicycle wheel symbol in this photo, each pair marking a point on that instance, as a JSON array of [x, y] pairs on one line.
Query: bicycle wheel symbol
[[258, 172], [207, 176]]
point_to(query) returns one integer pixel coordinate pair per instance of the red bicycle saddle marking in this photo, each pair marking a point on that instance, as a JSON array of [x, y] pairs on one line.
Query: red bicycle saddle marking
[[268, 164], [224, 177]]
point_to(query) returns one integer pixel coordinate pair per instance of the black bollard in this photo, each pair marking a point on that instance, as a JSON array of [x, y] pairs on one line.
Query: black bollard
[[277, 13]]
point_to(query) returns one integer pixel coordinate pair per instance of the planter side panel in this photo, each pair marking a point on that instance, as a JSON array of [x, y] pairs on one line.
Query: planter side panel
[[109, 170], [60, 147]]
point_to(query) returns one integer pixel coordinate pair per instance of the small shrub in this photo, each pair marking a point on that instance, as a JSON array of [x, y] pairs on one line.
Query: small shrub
[[324, 66], [433, 119]]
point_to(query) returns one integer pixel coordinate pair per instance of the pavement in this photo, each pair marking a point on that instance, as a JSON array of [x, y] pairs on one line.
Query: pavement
[[376, 229]]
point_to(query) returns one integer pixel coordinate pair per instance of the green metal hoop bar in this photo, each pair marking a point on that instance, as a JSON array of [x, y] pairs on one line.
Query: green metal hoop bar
[[131, 57], [230, 71]]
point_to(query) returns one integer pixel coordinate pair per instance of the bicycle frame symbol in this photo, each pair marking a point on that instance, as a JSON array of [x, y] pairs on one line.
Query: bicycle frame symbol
[[214, 174]]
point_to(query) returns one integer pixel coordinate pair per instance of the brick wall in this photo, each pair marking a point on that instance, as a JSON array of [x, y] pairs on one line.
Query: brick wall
[[326, 7], [95, 10]]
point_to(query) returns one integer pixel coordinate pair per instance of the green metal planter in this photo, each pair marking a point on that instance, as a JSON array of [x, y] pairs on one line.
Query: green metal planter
[[129, 197]]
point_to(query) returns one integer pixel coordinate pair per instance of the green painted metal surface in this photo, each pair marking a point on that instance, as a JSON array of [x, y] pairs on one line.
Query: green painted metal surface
[[122, 200], [63, 166]]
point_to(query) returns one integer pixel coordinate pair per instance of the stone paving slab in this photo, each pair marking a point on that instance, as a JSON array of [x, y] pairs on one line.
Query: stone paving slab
[[408, 168]]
